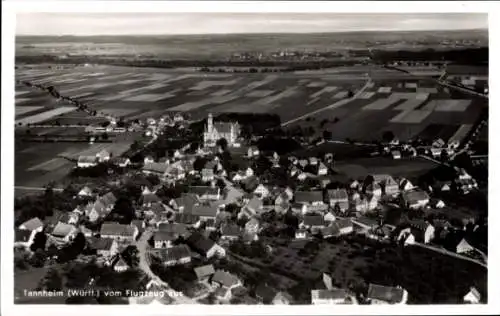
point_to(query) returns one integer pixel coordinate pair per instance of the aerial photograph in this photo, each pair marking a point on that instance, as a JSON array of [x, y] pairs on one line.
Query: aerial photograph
[[251, 158]]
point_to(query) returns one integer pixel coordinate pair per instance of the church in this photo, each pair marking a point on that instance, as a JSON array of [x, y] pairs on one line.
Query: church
[[215, 131]]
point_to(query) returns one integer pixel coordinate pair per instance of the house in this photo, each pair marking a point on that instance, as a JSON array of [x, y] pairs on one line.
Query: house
[[253, 151], [301, 234], [230, 231], [334, 297], [205, 211], [104, 247], [71, 218], [252, 226], [396, 154], [120, 265], [344, 226], [85, 192], [122, 162], [187, 219], [225, 280], [211, 193], [63, 233], [180, 230], [329, 217], [204, 246], [148, 160], [163, 239], [282, 298], [322, 169], [185, 202], [380, 294], [148, 199], [415, 199], [175, 255], [464, 247], [364, 224], [103, 155], [119, 232], [338, 198], [140, 224], [155, 168], [405, 185], [265, 293], [34, 224], [207, 174], [86, 161], [217, 130], [232, 195], [313, 221], [365, 204], [472, 297], [238, 176], [204, 273], [24, 238], [252, 208], [374, 189], [423, 231], [261, 191], [387, 183], [355, 185], [313, 200]]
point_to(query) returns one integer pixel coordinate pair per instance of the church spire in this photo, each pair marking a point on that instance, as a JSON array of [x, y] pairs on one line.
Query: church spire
[[210, 122]]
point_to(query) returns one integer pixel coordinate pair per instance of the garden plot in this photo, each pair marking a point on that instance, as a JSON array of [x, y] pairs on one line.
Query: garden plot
[[83, 95], [22, 100], [452, 105], [49, 165], [89, 87], [384, 90], [272, 99], [313, 101], [119, 112], [410, 85], [411, 116], [149, 97], [370, 85], [340, 95], [219, 93], [20, 110], [328, 89], [143, 89], [427, 90], [259, 93], [45, 115], [409, 105], [381, 104], [366, 95], [210, 83], [316, 84], [129, 81]]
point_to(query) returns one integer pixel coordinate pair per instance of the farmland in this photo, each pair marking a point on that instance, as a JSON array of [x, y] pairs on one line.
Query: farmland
[[408, 106]]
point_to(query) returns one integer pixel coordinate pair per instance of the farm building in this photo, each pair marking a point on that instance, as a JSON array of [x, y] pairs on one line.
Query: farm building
[[380, 294], [119, 231], [87, 161], [338, 198], [415, 199], [333, 297], [174, 255], [472, 297]]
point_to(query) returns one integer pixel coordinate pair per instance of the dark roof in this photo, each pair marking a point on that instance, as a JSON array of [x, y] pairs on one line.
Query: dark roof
[[22, 235], [186, 218], [33, 224], [265, 292], [204, 271], [187, 200], [164, 236], [108, 199], [337, 194], [415, 196], [254, 204], [87, 159], [230, 230], [204, 210], [176, 228], [156, 167], [225, 278], [308, 196], [174, 253], [365, 221], [385, 293], [202, 190], [100, 243], [150, 198], [117, 229], [200, 243], [314, 220]]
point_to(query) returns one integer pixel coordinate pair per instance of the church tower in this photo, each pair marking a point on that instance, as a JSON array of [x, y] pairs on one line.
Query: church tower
[[210, 123]]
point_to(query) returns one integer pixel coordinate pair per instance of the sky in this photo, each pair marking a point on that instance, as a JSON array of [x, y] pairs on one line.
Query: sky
[[226, 23]]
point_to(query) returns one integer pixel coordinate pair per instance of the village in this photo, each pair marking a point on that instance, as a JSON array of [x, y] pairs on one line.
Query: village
[[195, 223]]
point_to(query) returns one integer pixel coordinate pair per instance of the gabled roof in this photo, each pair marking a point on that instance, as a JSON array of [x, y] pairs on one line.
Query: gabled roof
[[121, 263], [415, 196], [200, 190], [385, 293], [87, 159], [337, 194], [32, 224], [187, 200], [103, 153], [254, 204], [334, 294], [115, 229], [176, 228], [150, 198], [85, 191], [226, 279], [186, 218], [308, 196], [204, 271], [164, 236], [62, 230], [108, 199], [204, 210], [174, 253], [232, 230], [419, 224], [314, 220], [199, 242], [365, 221], [22, 235], [155, 167], [100, 243]]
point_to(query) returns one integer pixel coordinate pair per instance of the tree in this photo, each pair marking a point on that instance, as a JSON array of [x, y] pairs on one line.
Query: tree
[[105, 136], [39, 258], [39, 241], [123, 210], [199, 163], [79, 243], [222, 143], [327, 134], [388, 136], [52, 281], [131, 256]]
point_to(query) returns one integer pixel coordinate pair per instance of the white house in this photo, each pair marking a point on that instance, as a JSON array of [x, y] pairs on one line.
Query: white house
[[472, 297], [103, 155], [380, 294], [262, 191], [63, 233], [86, 161], [333, 297], [85, 191], [34, 224], [415, 199]]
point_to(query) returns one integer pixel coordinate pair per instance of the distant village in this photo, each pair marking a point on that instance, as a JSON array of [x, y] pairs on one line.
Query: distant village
[[194, 209]]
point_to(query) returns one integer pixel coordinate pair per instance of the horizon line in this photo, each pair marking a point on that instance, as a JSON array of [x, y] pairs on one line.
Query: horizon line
[[254, 33]]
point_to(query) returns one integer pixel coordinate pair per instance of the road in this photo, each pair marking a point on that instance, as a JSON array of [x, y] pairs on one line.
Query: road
[[451, 254], [37, 188], [142, 246], [332, 106]]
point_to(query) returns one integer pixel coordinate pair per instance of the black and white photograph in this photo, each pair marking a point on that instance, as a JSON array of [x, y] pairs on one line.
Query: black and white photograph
[[169, 158]]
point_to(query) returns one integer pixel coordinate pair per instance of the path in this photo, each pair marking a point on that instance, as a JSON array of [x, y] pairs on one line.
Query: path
[[332, 106], [450, 253], [36, 188], [142, 246]]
